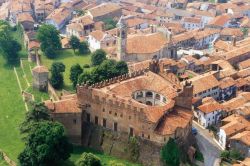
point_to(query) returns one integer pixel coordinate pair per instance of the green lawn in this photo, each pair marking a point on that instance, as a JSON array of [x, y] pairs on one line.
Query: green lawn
[[105, 159], [2, 162], [12, 112], [68, 58], [12, 109]]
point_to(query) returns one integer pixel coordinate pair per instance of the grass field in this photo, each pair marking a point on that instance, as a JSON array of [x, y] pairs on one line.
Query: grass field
[[2, 162], [12, 112], [105, 159], [12, 109], [68, 58]]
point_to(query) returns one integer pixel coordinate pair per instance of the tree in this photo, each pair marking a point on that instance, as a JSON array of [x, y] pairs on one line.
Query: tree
[[225, 154], [170, 153], [39, 112], [56, 79], [109, 23], [88, 159], [98, 57], [46, 145], [83, 48], [85, 77], [10, 49], [134, 148], [74, 42], [106, 70], [75, 72], [235, 155], [121, 67], [48, 36], [245, 32], [4, 30], [50, 52], [8, 46]]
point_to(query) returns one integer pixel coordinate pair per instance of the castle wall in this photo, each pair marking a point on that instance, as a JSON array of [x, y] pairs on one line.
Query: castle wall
[[72, 123], [117, 144]]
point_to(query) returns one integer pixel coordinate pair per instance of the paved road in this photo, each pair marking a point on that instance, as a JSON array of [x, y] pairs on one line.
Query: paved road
[[209, 149]]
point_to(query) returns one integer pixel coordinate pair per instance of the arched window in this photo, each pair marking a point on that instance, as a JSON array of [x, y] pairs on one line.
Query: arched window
[[149, 94], [149, 103], [139, 94]]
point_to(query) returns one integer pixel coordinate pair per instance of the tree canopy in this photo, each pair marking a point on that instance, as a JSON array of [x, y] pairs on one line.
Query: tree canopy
[[109, 23], [106, 70], [56, 79], [170, 153], [98, 57], [46, 145], [39, 112], [49, 38], [88, 159], [8, 46], [75, 72], [74, 42], [83, 48]]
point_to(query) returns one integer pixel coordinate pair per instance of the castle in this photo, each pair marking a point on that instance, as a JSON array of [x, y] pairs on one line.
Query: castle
[[142, 103]]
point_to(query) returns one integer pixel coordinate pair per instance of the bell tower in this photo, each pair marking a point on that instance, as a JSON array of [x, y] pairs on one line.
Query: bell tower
[[121, 38]]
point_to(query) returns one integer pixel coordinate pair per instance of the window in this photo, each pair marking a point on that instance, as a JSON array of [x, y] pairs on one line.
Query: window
[[74, 120], [131, 132], [88, 117], [149, 94], [96, 120], [103, 110], [121, 115], [115, 126], [129, 117], [142, 134], [110, 112], [149, 103], [148, 136], [115, 114], [104, 121]]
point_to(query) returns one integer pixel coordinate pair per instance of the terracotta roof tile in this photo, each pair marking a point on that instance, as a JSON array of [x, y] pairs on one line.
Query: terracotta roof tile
[[245, 64], [226, 82], [103, 9], [40, 69], [244, 137], [63, 106], [151, 43], [179, 118], [201, 82], [98, 35]]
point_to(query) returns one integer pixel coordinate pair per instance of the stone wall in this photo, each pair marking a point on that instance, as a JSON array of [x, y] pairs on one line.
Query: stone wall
[[117, 144], [6, 158]]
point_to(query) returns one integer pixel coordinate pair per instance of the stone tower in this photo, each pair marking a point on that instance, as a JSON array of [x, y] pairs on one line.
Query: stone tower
[[121, 38], [40, 78]]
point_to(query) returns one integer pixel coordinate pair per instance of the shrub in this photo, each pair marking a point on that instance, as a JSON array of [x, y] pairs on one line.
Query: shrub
[[88, 159], [86, 66]]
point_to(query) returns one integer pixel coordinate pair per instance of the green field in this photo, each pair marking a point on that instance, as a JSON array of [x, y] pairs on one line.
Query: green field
[[12, 112], [105, 159], [68, 58], [2, 162]]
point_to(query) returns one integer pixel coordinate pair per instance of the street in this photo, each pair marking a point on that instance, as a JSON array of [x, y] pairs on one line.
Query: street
[[208, 147]]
